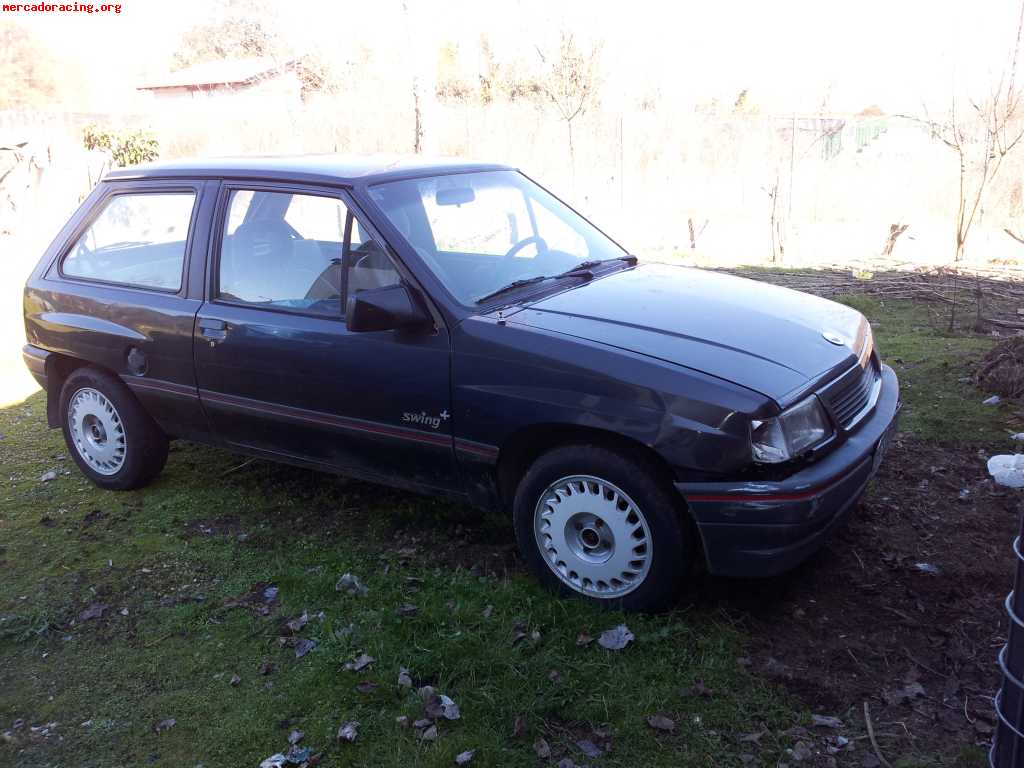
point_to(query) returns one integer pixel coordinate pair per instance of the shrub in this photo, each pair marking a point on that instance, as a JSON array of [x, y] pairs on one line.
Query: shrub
[[125, 148]]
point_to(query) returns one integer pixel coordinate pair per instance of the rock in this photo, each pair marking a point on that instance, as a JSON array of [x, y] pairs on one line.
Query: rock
[[994, 400], [589, 748], [429, 734], [465, 758], [234, 681], [48, 476]]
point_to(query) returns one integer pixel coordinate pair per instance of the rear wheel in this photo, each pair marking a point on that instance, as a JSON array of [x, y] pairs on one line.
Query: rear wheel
[[593, 522], [111, 438]]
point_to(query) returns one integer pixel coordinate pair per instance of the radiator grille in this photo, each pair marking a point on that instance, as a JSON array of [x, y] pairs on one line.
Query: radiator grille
[[853, 394]]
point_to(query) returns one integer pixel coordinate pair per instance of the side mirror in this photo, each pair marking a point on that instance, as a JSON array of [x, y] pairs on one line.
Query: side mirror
[[384, 309]]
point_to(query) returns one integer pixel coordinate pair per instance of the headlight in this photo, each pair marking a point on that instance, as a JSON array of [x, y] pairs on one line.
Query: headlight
[[790, 433]]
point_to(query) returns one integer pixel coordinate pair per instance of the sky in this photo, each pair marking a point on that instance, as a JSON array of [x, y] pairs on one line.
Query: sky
[[791, 55]]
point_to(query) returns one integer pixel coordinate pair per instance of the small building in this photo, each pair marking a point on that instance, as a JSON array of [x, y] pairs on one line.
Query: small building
[[231, 83]]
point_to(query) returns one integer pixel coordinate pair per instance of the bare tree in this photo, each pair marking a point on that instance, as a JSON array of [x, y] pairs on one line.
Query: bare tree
[[422, 58], [569, 81], [991, 129]]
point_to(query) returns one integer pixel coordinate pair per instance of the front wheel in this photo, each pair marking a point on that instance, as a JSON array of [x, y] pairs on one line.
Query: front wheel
[[594, 522], [111, 438]]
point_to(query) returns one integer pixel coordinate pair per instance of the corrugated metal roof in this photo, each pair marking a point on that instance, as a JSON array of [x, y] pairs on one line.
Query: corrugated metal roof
[[223, 72]]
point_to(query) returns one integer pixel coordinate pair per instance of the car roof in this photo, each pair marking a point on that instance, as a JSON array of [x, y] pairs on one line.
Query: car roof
[[332, 169]]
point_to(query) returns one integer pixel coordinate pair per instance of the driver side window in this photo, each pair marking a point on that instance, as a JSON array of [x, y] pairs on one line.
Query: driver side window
[[285, 251]]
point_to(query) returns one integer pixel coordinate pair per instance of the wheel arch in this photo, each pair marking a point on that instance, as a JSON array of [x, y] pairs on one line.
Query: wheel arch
[[58, 368], [524, 446]]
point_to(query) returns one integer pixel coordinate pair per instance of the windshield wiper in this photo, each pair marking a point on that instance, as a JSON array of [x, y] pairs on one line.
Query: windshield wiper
[[512, 286], [580, 269], [584, 267]]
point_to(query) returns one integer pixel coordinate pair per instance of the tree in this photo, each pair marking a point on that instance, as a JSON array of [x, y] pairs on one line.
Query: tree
[[237, 30], [982, 137], [569, 80], [26, 69]]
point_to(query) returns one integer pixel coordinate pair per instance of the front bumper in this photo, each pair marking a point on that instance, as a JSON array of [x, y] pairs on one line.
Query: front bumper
[[752, 529]]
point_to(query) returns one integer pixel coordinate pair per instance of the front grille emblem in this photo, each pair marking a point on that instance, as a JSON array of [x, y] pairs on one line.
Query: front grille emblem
[[833, 338]]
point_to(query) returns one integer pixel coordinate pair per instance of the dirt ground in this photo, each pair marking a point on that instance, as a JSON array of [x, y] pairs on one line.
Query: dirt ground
[[863, 621]]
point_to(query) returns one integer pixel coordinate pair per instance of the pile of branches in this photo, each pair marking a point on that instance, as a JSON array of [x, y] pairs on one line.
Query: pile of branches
[[995, 298]]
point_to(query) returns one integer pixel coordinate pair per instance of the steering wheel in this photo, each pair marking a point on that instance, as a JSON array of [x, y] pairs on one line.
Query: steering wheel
[[542, 247]]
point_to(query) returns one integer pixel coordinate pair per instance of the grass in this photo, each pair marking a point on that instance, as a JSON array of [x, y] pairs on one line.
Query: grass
[[168, 561]]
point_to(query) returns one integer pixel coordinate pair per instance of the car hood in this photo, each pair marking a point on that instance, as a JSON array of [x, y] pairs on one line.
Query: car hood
[[760, 336]]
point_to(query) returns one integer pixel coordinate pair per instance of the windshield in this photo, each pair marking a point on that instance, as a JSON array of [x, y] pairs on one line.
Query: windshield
[[480, 232]]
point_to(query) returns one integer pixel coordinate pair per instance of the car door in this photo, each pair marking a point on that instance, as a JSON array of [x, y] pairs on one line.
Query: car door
[[280, 373]]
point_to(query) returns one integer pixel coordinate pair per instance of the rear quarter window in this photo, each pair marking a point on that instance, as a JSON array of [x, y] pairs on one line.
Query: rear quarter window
[[136, 239]]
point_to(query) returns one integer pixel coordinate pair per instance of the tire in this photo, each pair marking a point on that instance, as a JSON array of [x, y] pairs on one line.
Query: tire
[[609, 498], [109, 435]]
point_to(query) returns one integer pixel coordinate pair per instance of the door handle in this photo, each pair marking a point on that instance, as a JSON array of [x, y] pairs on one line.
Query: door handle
[[212, 329]]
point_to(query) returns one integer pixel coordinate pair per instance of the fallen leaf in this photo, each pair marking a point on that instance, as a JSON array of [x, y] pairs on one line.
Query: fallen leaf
[[826, 721], [583, 639], [404, 680], [542, 748], [519, 727], [423, 722], [366, 687], [48, 476], [402, 720], [566, 762], [555, 676], [165, 725], [616, 639], [94, 611], [589, 748], [266, 667], [349, 731], [429, 734], [351, 584], [360, 663], [751, 738], [903, 695], [701, 690], [801, 751], [441, 706], [407, 609], [298, 622], [465, 758], [295, 737], [274, 761], [661, 723], [235, 680], [303, 647], [488, 610]]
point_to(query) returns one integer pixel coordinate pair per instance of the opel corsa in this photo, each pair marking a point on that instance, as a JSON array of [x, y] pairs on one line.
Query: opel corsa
[[455, 329]]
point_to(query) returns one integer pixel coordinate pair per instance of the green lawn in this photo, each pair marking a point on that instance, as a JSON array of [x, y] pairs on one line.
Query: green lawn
[[167, 563]]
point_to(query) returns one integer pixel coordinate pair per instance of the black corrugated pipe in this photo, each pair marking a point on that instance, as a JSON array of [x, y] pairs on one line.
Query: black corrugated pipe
[[1008, 745]]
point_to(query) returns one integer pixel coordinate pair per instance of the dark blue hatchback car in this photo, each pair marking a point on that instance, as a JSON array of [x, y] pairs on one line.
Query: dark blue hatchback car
[[455, 329]]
